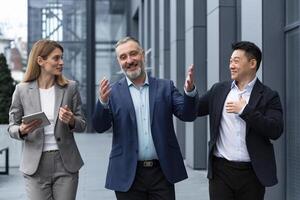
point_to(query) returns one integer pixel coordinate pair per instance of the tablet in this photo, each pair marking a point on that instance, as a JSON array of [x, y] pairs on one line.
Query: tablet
[[39, 116]]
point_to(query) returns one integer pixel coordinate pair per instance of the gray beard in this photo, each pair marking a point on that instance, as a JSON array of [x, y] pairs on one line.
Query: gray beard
[[134, 75]]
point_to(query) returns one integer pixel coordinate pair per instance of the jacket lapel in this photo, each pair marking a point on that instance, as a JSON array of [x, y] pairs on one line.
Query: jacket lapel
[[256, 93], [152, 92], [225, 89], [255, 97], [59, 93], [126, 98], [34, 95]]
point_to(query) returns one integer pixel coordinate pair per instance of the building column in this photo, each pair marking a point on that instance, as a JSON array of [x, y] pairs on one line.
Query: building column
[[195, 48], [146, 43], [164, 39], [228, 29], [251, 24], [222, 30], [141, 23], [90, 62], [213, 47], [155, 38], [274, 75], [177, 58]]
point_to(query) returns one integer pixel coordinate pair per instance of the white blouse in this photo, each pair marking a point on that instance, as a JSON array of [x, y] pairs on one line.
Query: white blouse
[[47, 97]]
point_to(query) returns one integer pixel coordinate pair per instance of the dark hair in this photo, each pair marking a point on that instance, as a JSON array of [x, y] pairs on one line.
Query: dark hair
[[251, 51]]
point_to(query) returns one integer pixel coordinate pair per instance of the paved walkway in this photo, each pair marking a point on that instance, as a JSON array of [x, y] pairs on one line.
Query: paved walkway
[[95, 149]]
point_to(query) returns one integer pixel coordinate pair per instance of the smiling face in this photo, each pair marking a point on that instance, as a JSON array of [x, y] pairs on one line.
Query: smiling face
[[53, 63], [131, 59], [241, 67]]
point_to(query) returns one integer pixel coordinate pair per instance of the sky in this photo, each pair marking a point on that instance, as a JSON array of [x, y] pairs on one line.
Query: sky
[[13, 18]]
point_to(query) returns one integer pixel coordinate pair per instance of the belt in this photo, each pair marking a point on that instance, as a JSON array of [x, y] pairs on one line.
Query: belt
[[51, 151], [148, 163], [235, 164]]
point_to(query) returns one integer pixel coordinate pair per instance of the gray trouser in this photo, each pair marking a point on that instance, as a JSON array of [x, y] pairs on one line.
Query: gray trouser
[[51, 180]]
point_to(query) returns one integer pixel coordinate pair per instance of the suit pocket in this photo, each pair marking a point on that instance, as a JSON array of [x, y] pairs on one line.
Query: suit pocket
[[116, 151]]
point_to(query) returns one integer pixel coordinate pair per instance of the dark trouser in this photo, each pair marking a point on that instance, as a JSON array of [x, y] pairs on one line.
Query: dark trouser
[[234, 181], [149, 184], [51, 181]]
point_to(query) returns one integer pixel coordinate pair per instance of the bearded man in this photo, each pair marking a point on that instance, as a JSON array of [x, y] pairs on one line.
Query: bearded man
[[145, 160]]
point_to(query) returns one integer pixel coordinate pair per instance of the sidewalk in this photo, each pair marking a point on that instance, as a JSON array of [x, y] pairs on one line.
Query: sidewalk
[[94, 149]]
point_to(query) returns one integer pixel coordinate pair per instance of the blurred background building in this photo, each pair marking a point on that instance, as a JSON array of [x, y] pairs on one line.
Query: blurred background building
[[176, 33]]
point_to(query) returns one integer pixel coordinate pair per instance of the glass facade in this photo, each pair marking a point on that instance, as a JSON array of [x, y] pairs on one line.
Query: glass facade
[[66, 22], [110, 27], [62, 21]]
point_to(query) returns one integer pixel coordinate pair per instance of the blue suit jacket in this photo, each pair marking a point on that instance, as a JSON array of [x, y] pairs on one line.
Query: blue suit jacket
[[165, 100], [264, 122]]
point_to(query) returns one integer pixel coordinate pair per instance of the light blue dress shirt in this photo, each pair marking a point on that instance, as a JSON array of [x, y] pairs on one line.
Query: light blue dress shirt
[[140, 99]]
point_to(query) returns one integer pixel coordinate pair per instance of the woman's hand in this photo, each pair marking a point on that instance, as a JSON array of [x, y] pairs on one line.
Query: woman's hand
[[29, 127], [66, 116]]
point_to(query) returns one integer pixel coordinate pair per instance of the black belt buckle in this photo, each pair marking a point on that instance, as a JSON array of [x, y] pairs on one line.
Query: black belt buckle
[[148, 163]]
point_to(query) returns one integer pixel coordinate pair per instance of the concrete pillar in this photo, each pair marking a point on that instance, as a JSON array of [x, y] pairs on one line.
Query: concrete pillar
[[164, 39], [155, 38], [195, 48], [177, 58]]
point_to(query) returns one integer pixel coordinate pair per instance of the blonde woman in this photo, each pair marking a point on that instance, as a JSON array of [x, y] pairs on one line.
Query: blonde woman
[[50, 158]]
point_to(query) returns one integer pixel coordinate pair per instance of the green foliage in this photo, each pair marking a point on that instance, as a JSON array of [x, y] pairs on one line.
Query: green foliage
[[7, 87]]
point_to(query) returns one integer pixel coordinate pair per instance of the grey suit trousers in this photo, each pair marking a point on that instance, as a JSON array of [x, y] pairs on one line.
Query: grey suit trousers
[[51, 180]]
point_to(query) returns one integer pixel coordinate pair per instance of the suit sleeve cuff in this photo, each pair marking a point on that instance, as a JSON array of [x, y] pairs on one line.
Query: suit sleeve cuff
[[192, 93], [22, 136], [105, 105]]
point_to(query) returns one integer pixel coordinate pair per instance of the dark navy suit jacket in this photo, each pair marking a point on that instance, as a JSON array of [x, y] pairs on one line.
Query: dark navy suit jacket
[[264, 122], [165, 100]]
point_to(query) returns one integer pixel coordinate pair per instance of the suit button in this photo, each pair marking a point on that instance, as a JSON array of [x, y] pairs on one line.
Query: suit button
[[58, 139]]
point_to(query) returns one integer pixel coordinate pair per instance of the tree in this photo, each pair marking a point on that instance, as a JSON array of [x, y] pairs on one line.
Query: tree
[[7, 87]]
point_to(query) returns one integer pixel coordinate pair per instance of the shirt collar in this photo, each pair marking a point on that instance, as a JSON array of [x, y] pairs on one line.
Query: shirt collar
[[249, 86], [130, 83]]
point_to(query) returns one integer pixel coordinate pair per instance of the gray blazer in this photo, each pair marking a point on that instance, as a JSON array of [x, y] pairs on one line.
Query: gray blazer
[[26, 100]]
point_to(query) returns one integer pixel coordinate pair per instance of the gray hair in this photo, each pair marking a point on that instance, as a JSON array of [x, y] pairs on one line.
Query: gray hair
[[127, 39]]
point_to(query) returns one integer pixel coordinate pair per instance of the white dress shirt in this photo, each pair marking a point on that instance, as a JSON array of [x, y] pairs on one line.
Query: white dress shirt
[[231, 143]]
